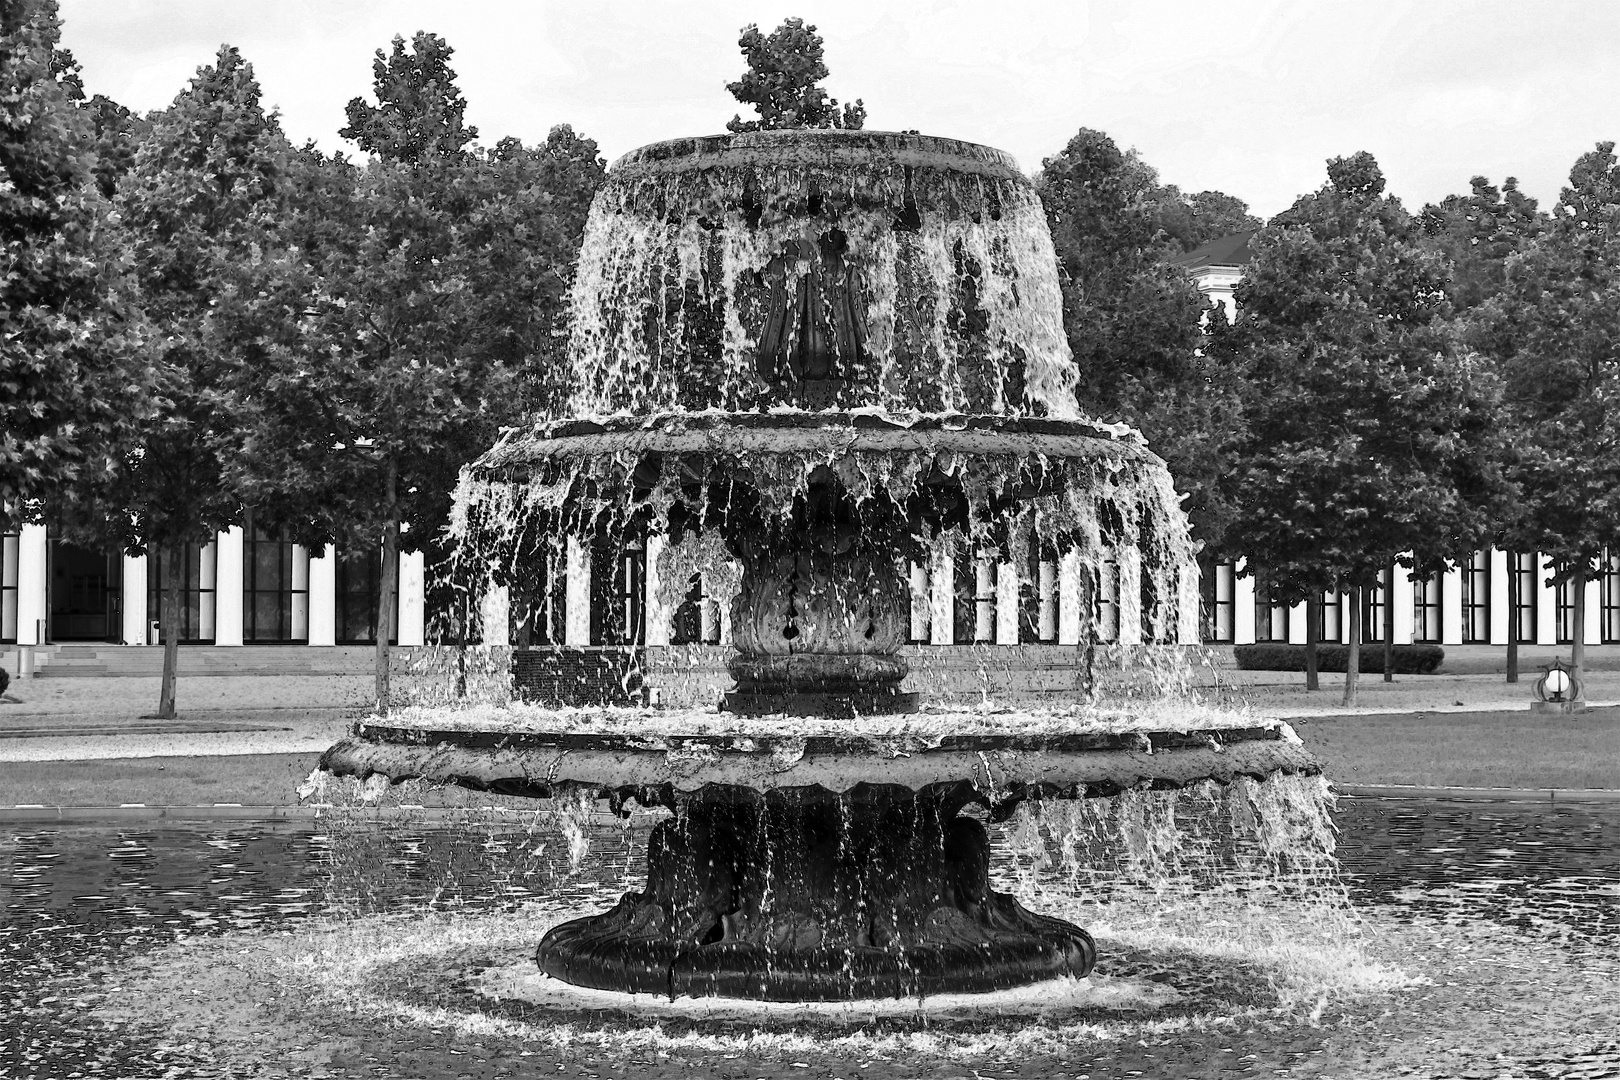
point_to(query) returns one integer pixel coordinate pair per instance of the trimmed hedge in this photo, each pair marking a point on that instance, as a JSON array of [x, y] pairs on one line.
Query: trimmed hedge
[[1277, 656]]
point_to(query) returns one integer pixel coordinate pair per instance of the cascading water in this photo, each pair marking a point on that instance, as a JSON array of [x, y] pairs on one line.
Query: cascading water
[[801, 360]]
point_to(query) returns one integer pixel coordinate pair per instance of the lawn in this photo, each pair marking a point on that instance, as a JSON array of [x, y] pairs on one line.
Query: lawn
[[1513, 749]]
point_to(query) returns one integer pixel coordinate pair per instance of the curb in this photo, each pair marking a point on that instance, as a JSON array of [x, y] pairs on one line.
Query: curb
[[239, 812], [1477, 794]]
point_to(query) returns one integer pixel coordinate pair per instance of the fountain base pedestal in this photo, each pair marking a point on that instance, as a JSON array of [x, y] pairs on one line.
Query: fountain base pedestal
[[804, 895]]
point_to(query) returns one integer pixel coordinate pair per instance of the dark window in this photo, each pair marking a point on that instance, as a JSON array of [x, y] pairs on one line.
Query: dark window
[[1327, 623], [1426, 607], [86, 596], [10, 544], [1522, 619], [618, 591], [1609, 599], [538, 597], [196, 581], [922, 603], [697, 620], [1220, 604], [357, 580], [1564, 611], [275, 589], [1107, 605], [1476, 600], [1374, 603], [975, 597], [1270, 620], [1038, 597]]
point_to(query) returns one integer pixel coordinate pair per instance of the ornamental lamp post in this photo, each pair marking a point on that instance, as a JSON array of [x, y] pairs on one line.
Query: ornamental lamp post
[[1559, 690]]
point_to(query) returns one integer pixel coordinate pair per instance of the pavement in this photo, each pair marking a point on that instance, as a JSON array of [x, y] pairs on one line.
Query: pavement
[[110, 718]]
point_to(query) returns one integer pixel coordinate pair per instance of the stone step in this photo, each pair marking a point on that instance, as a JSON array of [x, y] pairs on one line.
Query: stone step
[[93, 661]]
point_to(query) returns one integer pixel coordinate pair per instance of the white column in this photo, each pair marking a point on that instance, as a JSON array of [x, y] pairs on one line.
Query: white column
[[228, 587], [1500, 615], [323, 597], [1404, 605], [578, 564], [1546, 603], [1243, 610], [1593, 628], [300, 592], [658, 613], [134, 600], [1007, 613], [1296, 624], [942, 597], [33, 582], [1047, 582], [495, 614], [1071, 594], [412, 629], [1186, 615]]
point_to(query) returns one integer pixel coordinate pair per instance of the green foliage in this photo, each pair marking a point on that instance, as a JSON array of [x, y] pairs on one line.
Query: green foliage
[[1367, 437], [782, 82], [1478, 232], [1553, 328], [1276, 656], [420, 113], [1133, 318], [71, 377], [202, 196], [1191, 221]]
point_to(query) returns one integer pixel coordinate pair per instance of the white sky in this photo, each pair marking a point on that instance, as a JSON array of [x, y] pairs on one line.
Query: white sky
[[1249, 97]]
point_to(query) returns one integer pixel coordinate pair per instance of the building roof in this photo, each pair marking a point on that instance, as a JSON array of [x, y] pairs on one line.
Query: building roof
[[1229, 250]]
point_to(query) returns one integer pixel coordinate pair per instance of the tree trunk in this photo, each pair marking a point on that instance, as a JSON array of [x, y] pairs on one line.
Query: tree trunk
[[390, 573], [175, 557], [1513, 618], [1352, 660], [1577, 637], [1389, 624], [1313, 615]]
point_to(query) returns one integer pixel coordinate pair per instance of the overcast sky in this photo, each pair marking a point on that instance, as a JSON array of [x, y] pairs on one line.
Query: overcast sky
[[1249, 98]]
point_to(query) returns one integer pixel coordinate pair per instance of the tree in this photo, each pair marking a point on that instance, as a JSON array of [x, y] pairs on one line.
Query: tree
[[782, 82], [420, 115], [1366, 436], [416, 307], [201, 198], [1554, 327], [1478, 233], [72, 380], [1133, 321], [1191, 221]]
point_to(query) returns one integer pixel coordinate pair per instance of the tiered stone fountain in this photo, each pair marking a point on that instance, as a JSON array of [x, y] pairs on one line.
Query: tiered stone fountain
[[828, 349]]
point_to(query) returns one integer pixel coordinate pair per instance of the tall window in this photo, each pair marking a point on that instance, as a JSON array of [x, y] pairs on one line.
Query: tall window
[[275, 589], [1522, 619], [697, 620], [1327, 627], [1426, 607], [618, 591], [1038, 597], [1609, 599], [1564, 611], [974, 609], [1476, 599], [358, 581], [537, 609], [9, 550], [196, 581], [1374, 605], [1220, 603], [1270, 620], [1107, 606]]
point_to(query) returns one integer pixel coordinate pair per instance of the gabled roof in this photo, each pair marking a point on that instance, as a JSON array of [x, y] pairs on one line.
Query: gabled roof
[[1229, 250]]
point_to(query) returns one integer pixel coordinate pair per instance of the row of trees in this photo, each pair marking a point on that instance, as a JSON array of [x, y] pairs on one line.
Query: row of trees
[[201, 318], [1398, 388]]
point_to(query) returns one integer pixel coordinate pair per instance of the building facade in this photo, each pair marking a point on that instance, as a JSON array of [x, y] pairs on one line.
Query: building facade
[[1466, 605]]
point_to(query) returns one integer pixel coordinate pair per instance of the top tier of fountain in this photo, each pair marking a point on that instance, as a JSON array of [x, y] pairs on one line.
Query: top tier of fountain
[[820, 270]]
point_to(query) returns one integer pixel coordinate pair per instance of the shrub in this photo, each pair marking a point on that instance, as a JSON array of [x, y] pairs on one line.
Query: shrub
[[1277, 656], [5, 679]]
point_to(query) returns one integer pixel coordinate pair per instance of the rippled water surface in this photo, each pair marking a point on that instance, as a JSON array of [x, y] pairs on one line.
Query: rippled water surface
[[75, 899]]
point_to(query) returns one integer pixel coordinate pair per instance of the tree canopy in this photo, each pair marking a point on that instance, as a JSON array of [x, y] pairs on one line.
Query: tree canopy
[[420, 115], [783, 82]]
